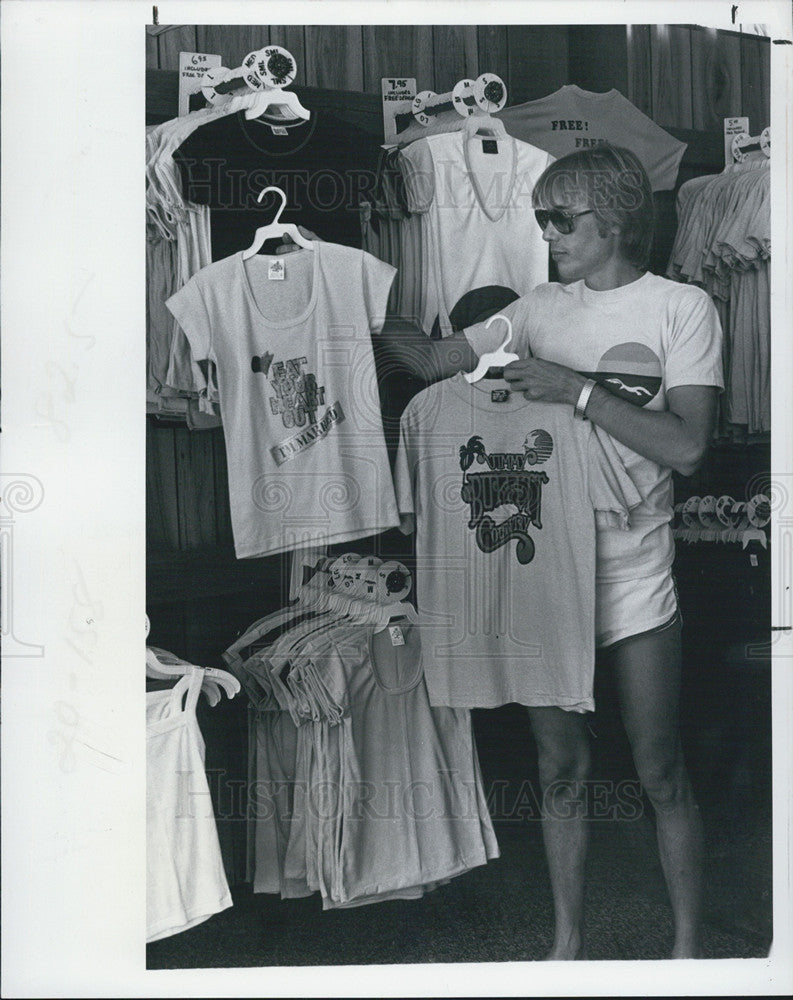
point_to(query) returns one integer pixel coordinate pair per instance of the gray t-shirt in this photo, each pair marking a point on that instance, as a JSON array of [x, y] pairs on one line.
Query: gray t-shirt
[[504, 492], [290, 336]]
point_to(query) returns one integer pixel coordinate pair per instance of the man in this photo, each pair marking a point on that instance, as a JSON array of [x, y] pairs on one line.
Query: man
[[640, 357]]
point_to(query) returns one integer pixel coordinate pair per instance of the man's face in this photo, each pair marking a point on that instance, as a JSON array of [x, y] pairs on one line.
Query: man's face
[[582, 253]]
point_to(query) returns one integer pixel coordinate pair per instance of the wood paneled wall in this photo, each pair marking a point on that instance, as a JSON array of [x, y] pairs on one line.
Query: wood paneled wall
[[682, 77]]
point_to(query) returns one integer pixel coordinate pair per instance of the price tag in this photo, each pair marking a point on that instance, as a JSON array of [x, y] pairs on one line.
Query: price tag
[[192, 67], [733, 127], [398, 94]]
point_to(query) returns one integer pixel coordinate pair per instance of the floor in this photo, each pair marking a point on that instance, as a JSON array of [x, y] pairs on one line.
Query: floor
[[497, 913], [502, 911]]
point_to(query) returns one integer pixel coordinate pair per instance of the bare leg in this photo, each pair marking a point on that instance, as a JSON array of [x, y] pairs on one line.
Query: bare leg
[[563, 751], [648, 680]]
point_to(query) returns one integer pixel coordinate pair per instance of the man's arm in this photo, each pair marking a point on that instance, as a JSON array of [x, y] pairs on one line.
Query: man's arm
[[404, 346], [676, 438]]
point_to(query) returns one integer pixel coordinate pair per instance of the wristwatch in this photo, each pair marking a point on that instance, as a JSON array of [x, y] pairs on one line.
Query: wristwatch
[[586, 391]]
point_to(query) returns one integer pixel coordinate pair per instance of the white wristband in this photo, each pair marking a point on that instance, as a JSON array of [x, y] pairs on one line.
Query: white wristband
[[583, 399]]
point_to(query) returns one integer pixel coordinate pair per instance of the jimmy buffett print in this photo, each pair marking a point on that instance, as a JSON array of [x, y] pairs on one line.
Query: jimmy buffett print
[[506, 482]]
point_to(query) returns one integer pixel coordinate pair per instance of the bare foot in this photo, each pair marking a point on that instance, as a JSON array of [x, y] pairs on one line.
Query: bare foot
[[570, 950], [687, 949]]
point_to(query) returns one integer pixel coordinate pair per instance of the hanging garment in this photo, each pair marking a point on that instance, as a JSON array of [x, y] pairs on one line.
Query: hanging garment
[[160, 285], [325, 167], [388, 799], [637, 341], [352, 705], [503, 493], [571, 119], [185, 880], [481, 247], [297, 383], [723, 244], [411, 804], [186, 226]]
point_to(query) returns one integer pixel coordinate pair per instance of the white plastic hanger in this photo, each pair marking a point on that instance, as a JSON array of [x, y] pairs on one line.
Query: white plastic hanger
[[403, 609], [495, 359], [162, 665], [484, 125], [276, 228], [275, 97]]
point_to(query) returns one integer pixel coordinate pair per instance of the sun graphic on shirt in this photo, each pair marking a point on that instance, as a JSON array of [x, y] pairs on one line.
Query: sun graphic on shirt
[[538, 447]]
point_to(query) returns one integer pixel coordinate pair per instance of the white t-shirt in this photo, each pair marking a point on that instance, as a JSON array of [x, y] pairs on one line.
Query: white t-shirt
[[503, 493], [637, 341], [481, 245], [307, 459], [571, 119]]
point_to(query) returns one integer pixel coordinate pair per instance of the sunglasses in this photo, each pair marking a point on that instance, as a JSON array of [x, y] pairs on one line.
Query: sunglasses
[[563, 222]]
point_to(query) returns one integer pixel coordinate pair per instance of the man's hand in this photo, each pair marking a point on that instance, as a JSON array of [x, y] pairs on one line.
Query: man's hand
[[289, 246], [544, 381]]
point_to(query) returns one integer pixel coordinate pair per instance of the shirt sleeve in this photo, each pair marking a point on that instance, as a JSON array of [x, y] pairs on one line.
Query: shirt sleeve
[[693, 354], [415, 162], [403, 476], [377, 279], [612, 492], [189, 157], [189, 309], [483, 339]]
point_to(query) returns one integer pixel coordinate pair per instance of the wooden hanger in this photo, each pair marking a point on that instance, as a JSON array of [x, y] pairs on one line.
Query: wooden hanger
[[276, 228], [494, 359]]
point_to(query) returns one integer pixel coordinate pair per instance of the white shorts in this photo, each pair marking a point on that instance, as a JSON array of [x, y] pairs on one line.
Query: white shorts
[[624, 608]]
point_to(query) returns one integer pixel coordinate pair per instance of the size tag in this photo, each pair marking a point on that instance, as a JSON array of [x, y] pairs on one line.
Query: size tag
[[279, 130], [489, 146], [499, 395], [276, 271], [397, 638]]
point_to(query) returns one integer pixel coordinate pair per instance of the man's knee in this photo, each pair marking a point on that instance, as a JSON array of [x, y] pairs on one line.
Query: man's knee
[[664, 781], [559, 764]]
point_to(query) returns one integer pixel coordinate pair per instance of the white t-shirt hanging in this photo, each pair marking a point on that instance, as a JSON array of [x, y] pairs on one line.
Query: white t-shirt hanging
[[482, 248], [185, 880], [503, 492], [290, 336], [571, 119]]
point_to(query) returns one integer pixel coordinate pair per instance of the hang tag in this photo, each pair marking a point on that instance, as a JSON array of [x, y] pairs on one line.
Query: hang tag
[[276, 270], [499, 395], [279, 130], [489, 146], [397, 638]]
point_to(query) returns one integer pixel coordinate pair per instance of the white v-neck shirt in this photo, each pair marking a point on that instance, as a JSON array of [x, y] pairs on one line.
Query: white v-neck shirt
[[482, 247], [306, 452]]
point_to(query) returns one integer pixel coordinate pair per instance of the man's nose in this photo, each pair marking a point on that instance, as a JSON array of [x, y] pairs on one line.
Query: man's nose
[[550, 233]]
